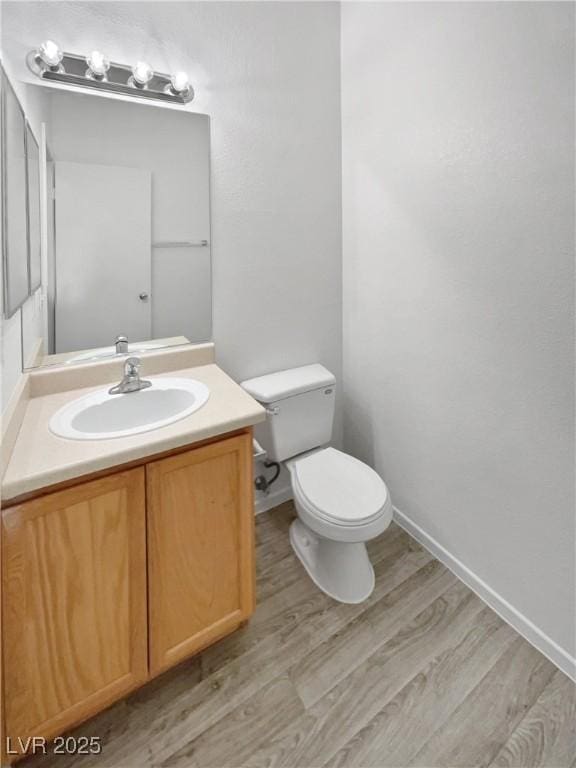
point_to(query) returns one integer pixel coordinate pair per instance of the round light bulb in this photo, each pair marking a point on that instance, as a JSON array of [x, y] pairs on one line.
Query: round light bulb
[[98, 64], [50, 54], [142, 73], [180, 82]]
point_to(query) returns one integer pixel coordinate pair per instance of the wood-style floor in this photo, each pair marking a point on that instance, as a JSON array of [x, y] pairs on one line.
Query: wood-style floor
[[422, 674]]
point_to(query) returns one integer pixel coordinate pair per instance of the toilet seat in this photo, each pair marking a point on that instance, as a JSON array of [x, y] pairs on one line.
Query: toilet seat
[[339, 489]]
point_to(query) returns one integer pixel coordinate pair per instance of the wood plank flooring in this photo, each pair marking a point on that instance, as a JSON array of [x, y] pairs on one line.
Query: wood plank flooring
[[421, 674]]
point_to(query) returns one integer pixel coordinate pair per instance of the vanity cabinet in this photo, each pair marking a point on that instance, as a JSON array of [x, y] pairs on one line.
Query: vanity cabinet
[[200, 548], [74, 603], [109, 582]]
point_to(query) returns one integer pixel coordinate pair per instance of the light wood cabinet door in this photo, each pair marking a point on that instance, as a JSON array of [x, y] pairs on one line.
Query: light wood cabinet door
[[74, 600], [200, 547]]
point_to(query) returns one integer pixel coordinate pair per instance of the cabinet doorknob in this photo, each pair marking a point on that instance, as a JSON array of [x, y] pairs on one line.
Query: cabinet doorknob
[[143, 296]]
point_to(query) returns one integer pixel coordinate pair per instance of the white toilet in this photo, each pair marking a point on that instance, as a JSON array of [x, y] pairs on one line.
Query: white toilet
[[341, 502]]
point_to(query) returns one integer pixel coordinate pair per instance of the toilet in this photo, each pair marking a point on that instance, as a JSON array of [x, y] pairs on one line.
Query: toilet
[[341, 502]]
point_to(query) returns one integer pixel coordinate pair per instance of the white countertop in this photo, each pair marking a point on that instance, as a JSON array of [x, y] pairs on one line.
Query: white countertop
[[40, 458]]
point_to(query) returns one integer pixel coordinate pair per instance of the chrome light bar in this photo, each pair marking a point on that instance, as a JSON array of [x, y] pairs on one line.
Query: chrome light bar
[[94, 71]]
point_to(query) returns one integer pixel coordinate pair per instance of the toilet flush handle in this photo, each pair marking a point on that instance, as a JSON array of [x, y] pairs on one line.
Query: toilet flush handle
[[273, 411]]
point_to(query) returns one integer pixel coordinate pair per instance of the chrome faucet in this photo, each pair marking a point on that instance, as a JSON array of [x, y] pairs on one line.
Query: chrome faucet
[[121, 345], [131, 381]]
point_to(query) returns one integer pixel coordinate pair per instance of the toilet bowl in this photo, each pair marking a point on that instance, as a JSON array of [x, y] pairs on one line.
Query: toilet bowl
[[341, 504]]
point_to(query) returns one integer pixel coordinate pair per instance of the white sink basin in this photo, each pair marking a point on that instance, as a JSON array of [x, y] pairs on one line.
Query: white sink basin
[[101, 416]]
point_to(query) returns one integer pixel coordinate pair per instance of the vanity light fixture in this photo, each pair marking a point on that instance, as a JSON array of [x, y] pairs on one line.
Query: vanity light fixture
[[49, 62]]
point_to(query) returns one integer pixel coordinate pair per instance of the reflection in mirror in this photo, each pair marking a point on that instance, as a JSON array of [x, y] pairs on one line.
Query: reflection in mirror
[[14, 221], [33, 171], [128, 227]]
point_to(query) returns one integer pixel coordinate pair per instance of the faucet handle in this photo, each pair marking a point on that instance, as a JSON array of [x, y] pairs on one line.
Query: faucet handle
[[132, 366]]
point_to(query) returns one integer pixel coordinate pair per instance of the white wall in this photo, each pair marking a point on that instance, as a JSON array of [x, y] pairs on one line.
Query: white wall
[[268, 75], [458, 221]]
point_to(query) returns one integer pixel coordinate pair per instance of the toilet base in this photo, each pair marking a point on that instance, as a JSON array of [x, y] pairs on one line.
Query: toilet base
[[341, 570]]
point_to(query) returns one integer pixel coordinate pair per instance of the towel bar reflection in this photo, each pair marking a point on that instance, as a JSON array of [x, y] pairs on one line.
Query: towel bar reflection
[[181, 244]]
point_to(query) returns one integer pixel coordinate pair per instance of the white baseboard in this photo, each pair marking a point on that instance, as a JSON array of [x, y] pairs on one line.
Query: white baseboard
[[264, 503], [502, 607]]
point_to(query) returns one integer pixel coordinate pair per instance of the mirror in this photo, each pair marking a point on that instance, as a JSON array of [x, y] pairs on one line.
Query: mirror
[[14, 203], [127, 209]]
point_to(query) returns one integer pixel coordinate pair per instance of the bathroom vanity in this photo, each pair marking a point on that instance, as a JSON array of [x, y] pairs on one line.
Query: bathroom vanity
[[120, 558]]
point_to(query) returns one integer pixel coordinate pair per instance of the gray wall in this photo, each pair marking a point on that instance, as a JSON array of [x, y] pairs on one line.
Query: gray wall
[[458, 223]]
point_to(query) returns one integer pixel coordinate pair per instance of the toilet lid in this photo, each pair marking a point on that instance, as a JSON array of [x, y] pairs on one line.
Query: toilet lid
[[340, 487]]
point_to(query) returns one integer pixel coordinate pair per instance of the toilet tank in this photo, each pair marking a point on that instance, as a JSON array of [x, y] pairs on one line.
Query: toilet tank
[[300, 405]]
